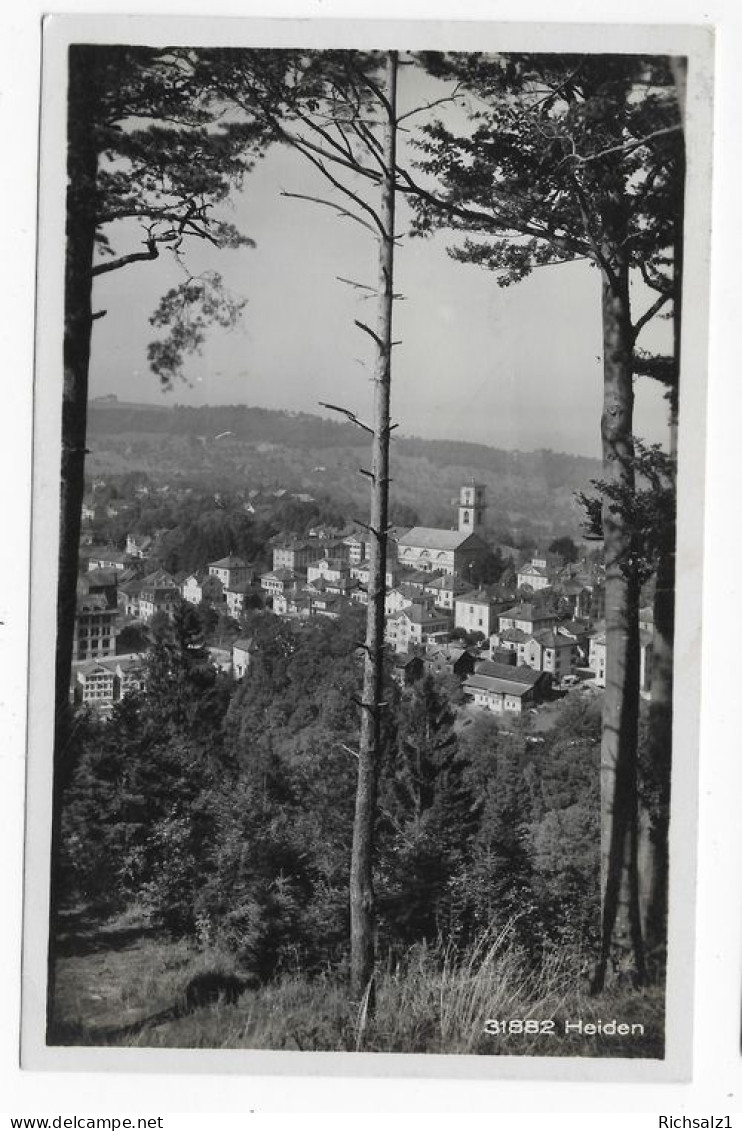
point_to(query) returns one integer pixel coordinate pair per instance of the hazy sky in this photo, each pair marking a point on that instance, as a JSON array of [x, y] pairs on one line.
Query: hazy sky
[[517, 368]]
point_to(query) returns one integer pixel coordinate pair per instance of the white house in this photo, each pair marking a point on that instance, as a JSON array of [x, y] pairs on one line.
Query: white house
[[241, 652]]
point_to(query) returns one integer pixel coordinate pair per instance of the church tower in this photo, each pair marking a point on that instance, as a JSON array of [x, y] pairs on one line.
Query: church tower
[[471, 508]]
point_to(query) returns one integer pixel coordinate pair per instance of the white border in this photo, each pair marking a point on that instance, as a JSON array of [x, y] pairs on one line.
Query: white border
[[695, 413]]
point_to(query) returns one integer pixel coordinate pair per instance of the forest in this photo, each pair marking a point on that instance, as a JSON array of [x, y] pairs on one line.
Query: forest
[[223, 813]]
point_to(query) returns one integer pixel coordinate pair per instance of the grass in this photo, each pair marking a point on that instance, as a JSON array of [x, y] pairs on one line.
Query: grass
[[126, 988]]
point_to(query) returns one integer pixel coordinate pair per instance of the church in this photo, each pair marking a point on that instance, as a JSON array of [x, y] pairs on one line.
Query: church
[[451, 551]]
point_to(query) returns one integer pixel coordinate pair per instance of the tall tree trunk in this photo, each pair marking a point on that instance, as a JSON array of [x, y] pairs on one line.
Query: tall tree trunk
[[621, 927], [362, 917], [82, 167], [663, 640]]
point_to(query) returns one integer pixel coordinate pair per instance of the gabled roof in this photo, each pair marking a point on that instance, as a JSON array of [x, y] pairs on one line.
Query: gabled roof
[[428, 538], [522, 674], [447, 581], [526, 612], [531, 570], [157, 581], [245, 643], [421, 614], [547, 638], [230, 562], [573, 627], [514, 635], [87, 668], [497, 685], [280, 574], [475, 597]]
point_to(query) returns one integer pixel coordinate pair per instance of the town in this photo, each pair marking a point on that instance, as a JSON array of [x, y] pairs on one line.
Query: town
[[511, 647]]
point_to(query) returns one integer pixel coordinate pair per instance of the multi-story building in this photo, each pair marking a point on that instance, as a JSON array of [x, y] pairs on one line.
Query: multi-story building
[[237, 597], [549, 651], [232, 571], [476, 611], [450, 551], [95, 627], [415, 626], [526, 617], [278, 581], [103, 682], [199, 587], [357, 548], [333, 571], [445, 589], [107, 559], [297, 555], [159, 593], [597, 658], [535, 576]]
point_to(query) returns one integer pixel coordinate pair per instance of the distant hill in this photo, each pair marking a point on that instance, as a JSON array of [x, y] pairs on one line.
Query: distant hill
[[237, 446]]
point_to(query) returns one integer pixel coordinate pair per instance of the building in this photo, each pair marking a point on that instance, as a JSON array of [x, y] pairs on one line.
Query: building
[[503, 688], [138, 545], [101, 583], [241, 656], [200, 587], [597, 658], [526, 617], [128, 597], [236, 598], [449, 659], [445, 589], [549, 651], [476, 611], [358, 547], [507, 639], [297, 555], [278, 581], [407, 668], [159, 593], [361, 570], [129, 674], [93, 685], [534, 576], [232, 571], [450, 551], [99, 684], [415, 626], [333, 571], [402, 596], [95, 627], [579, 633], [107, 559]]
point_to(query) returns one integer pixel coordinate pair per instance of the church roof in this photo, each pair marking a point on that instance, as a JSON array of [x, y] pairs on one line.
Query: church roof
[[428, 538]]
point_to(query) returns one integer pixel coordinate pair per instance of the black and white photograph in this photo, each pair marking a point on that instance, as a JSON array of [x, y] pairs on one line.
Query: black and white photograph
[[370, 396]]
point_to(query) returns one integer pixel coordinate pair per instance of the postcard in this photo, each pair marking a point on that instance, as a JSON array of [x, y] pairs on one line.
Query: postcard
[[366, 571]]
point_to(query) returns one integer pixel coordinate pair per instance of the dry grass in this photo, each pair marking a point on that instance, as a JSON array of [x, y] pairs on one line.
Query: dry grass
[[429, 1000]]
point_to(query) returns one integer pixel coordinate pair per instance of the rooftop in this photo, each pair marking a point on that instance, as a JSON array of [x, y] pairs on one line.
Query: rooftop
[[428, 538]]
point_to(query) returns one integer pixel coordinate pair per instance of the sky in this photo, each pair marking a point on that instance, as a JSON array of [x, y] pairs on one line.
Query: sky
[[518, 368]]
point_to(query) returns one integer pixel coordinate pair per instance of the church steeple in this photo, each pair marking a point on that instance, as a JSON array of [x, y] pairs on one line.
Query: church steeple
[[472, 506]]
